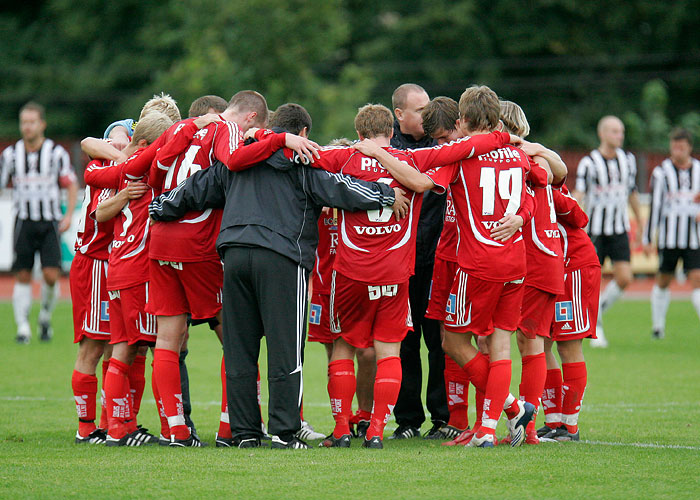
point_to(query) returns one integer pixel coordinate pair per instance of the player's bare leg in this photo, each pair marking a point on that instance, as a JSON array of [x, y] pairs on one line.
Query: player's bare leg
[[166, 370], [622, 276], [84, 384]]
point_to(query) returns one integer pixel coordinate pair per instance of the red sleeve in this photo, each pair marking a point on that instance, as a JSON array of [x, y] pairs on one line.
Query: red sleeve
[[461, 149], [101, 176], [136, 167], [442, 177], [235, 155], [527, 205], [536, 175], [174, 143], [568, 209]]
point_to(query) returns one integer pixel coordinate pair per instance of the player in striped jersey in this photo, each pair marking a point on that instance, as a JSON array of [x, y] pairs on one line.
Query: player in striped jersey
[[605, 183], [673, 223], [37, 168]]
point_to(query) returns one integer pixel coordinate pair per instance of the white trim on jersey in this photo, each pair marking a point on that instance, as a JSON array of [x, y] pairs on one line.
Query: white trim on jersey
[[581, 324], [537, 242], [301, 327], [475, 230], [334, 322]]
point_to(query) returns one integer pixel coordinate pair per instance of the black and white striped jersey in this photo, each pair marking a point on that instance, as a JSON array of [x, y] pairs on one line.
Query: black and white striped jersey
[[607, 184], [36, 179], [673, 208]]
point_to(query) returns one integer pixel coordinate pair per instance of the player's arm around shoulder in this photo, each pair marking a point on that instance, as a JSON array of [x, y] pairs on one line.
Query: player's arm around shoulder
[[112, 206]]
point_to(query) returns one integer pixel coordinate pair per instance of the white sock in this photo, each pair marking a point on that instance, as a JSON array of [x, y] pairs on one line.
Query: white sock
[[660, 299], [609, 296], [21, 303], [48, 301], [695, 297]]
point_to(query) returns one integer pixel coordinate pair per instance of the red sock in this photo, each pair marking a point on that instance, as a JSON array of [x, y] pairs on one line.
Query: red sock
[[164, 427], [363, 415], [387, 383], [534, 373], [478, 371], [85, 394], [103, 401], [166, 370], [551, 398], [224, 424], [137, 382], [341, 390], [495, 394], [457, 386], [575, 378], [117, 398]]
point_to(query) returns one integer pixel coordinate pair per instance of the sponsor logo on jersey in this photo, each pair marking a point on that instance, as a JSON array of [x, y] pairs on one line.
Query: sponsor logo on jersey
[[552, 233], [566, 326], [315, 314], [371, 230], [490, 224], [371, 165], [451, 307], [104, 310], [564, 311], [502, 154]]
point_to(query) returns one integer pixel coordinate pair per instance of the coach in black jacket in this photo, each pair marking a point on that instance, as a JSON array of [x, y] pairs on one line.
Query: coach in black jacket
[[408, 101], [268, 241]]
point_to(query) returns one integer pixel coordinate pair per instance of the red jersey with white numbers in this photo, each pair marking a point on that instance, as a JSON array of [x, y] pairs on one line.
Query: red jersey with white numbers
[[545, 262], [325, 251], [94, 238], [185, 151], [447, 244], [485, 187], [577, 248]]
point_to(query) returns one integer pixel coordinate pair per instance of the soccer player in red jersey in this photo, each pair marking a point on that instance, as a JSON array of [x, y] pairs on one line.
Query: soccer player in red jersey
[[186, 271], [491, 204], [126, 282], [575, 317], [545, 268], [88, 288], [369, 298]]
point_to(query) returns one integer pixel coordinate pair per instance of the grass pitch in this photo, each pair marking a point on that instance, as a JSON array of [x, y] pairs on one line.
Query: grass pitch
[[640, 424]]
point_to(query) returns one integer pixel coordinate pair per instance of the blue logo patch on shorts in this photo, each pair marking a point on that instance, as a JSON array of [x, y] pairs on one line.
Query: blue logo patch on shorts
[[104, 310], [564, 311], [451, 304], [315, 314]]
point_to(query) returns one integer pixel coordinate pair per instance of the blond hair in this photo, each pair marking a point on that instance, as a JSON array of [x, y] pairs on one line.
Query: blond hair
[[479, 108], [164, 104], [151, 126], [514, 119], [340, 141], [373, 120]]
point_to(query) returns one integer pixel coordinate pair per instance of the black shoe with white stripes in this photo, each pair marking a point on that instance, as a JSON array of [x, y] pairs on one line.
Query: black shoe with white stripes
[[98, 436], [191, 442], [292, 444], [148, 438], [135, 438]]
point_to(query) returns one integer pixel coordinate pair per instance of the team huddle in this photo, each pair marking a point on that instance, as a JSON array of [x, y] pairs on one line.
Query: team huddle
[[170, 235]]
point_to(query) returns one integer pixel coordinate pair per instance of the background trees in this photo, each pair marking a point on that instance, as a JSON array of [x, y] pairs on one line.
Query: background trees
[[566, 62]]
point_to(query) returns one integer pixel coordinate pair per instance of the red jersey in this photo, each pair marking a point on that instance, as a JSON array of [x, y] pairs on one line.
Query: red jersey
[[325, 252], [545, 263], [484, 189], [577, 248], [186, 150], [447, 245], [94, 238]]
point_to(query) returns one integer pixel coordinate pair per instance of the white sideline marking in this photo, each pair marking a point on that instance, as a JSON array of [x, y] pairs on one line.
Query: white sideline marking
[[644, 445]]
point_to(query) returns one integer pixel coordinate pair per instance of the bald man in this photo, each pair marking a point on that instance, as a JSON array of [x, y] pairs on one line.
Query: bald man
[[605, 184]]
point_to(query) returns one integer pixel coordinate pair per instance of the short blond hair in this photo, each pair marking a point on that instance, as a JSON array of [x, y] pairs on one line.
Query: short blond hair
[[514, 119], [373, 120], [151, 126], [164, 104], [479, 108], [340, 141]]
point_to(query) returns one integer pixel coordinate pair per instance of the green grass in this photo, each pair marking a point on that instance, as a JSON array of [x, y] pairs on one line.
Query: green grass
[[639, 391]]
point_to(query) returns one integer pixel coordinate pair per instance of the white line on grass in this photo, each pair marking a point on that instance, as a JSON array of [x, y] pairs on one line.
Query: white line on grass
[[644, 445]]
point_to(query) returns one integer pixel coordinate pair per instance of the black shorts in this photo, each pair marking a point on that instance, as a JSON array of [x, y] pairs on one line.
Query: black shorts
[[616, 246], [668, 259], [36, 236], [212, 322]]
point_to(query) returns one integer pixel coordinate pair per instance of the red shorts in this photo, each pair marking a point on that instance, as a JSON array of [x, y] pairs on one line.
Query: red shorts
[[128, 320], [478, 306], [319, 319], [88, 292], [537, 312], [361, 313], [186, 287], [576, 311], [443, 276]]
